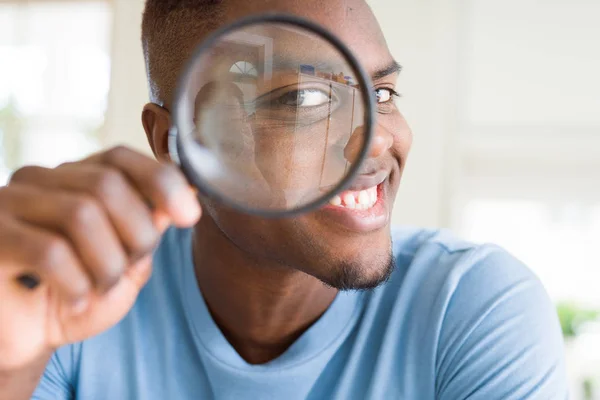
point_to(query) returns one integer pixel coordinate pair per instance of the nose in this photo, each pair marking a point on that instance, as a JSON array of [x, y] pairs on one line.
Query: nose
[[381, 142]]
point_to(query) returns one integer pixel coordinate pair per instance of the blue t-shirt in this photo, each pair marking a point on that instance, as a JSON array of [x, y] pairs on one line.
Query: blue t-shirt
[[455, 321]]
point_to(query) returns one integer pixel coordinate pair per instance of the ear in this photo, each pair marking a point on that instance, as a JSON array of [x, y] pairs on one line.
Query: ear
[[157, 121]]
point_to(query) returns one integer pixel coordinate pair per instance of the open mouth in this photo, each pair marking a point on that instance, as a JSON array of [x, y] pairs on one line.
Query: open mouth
[[364, 207], [363, 194], [361, 211]]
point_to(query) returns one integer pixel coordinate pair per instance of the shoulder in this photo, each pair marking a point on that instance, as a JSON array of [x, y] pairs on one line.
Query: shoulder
[[465, 282], [441, 258], [497, 331]]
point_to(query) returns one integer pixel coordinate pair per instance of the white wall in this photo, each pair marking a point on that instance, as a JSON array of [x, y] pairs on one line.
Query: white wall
[[505, 89], [422, 35], [129, 90]]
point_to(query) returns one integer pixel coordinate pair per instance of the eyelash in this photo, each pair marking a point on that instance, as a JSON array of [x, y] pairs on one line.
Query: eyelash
[[393, 94]]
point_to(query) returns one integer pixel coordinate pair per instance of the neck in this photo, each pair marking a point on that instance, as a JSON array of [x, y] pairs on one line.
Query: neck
[[261, 306]]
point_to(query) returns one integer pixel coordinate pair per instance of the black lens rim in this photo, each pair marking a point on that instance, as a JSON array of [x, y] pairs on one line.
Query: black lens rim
[[179, 155]]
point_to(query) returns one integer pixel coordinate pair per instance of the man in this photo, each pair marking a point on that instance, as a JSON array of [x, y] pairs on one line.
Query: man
[[236, 307]]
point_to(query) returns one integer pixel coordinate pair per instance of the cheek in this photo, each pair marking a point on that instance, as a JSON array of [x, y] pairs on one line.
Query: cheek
[[405, 135], [261, 237], [396, 125]]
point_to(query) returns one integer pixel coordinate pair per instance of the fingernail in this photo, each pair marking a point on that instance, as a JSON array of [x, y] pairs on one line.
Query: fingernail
[[79, 306], [189, 207]]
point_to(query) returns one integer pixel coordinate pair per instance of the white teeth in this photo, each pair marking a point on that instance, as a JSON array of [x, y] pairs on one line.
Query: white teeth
[[364, 198], [373, 195], [336, 201], [349, 200]]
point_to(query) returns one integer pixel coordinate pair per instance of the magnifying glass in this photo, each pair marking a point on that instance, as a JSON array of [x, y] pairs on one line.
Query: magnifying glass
[[272, 116]]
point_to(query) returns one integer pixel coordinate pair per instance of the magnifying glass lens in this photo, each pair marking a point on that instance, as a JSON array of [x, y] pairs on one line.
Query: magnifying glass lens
[[272, 117]]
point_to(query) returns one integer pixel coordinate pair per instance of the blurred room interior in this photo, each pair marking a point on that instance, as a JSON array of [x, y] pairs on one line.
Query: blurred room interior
[[503, 98]]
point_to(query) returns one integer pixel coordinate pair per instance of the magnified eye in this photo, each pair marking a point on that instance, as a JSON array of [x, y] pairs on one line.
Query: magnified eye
[[301, 105], [305, 98], [385, 95]]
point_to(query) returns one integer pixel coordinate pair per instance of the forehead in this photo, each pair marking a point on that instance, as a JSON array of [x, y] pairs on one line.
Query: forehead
[[350, 20]]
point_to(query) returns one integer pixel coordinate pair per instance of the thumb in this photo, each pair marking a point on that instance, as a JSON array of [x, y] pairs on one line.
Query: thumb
[[139, 273]]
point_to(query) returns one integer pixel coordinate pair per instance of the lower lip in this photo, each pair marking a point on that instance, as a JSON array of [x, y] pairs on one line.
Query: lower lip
[[360, 221]]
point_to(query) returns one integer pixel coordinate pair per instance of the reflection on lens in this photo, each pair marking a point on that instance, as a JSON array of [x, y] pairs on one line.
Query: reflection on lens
[[275, 107]]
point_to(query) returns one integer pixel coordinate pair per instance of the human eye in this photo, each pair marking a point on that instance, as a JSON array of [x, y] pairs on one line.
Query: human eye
[[298, 104], [386, 95], [305, 98]]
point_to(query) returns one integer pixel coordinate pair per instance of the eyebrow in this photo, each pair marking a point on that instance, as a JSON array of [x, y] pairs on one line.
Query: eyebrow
[[393, 68], [284, 63]]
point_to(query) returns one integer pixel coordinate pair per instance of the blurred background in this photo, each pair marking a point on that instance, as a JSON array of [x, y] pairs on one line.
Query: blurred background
[[503, 98]]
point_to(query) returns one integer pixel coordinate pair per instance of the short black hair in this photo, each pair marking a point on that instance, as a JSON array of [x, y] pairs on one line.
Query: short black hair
[[169, 34]]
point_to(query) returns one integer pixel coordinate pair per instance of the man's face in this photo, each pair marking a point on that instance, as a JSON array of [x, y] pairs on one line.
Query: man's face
[[342, 246]]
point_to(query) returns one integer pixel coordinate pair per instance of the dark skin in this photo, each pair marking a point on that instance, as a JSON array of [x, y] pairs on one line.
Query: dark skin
[[268, 268], [87, 230], [89, 241]]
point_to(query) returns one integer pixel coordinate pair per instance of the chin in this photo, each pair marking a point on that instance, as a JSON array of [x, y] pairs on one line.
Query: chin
[[357, 275], [354, 262]]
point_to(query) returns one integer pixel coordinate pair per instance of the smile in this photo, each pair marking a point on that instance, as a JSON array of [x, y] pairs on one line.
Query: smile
[[356, 200], [359, 210]]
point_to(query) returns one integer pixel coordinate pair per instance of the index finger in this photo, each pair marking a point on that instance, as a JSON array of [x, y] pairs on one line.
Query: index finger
[[162, 185]]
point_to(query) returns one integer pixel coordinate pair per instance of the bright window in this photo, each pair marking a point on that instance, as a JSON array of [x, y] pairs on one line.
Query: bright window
[[54, 80]]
